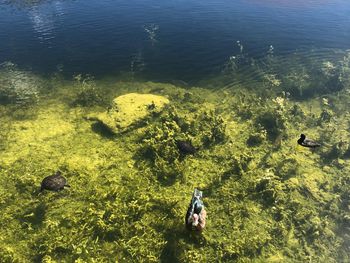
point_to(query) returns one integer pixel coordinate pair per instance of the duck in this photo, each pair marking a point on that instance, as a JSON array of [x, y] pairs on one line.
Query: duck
[[306, 142], [196, 214]]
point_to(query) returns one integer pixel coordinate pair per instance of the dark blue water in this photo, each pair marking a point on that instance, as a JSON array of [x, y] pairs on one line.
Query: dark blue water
[[168, 39]]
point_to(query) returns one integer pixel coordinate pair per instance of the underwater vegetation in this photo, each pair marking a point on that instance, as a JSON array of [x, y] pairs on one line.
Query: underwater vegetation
[[176, 135], [18, 87], [87, 94], [299, 75], [151, 31], [130, 110], [267, 198]]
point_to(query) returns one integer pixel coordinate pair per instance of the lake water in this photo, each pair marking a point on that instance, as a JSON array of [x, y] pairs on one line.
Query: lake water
[[126, 107], [166, 40]]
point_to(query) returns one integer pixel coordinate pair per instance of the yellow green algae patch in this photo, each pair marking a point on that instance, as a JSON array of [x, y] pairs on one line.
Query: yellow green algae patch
[[130, 109], [27, 136], [268, 200]]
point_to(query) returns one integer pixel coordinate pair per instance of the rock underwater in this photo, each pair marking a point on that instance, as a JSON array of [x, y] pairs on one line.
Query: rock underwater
[[129, 109]]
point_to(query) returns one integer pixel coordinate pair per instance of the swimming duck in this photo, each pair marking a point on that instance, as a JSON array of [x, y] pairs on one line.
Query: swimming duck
[[306, 142], [196, 215], [55, 182]]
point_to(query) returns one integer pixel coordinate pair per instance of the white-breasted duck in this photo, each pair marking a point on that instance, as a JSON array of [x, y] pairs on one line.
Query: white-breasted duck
[[306, 142]]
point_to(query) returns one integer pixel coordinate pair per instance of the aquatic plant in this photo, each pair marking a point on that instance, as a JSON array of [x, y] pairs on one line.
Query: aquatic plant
[[129, 193], [211, 128], [232, 65], [130, 110], [344, 70], [162, 151], [244, 106], [271, 81], [267, 188], [24, 3], [257, 138], [301, 76], [338, 150], [236, 62], [87, 93], [297, 82], [273, 118], [18, 87], [288, 168], [151, 31], [203, 128], [4, 132], [137, 63], [325, 116]]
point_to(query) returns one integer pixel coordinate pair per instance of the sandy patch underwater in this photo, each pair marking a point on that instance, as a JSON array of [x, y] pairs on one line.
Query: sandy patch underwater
[[267, 198]]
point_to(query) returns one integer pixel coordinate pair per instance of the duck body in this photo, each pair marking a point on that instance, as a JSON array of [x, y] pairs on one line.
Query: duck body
[[196, 215], [306, 142], [55, 182]]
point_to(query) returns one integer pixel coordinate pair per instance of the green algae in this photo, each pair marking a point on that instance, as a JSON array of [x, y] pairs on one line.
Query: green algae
[[18, 87], [268, 199], [203, 128], [130, 110], [87, 95]]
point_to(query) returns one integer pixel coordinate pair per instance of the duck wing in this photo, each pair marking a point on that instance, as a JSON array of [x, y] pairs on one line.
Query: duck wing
[[311, 143]]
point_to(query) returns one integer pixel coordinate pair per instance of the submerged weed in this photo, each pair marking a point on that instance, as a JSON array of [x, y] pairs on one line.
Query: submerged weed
[[161, 141], [18, 87], [87, 94], [129, 194]]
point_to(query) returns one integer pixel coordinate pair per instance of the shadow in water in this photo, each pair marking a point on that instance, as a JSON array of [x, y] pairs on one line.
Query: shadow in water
[[35, 216], [177, 236], [173, 249], [102, 130]]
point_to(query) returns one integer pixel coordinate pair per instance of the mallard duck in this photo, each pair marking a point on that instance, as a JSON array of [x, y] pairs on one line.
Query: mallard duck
[[306, 142], [196, 215]]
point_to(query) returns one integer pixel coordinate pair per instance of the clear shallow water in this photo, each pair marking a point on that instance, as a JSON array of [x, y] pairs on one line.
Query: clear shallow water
[[163, 40], [267, 198]]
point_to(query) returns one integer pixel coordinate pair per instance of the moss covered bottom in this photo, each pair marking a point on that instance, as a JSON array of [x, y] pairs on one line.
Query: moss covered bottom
[[267, 199], [129, 110]]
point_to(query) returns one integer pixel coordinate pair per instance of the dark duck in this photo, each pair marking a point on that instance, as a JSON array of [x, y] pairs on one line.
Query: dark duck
[[306, 142], [55, 182], [196, 214]]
